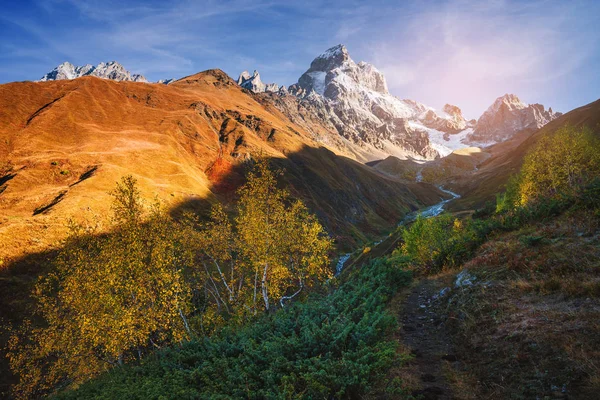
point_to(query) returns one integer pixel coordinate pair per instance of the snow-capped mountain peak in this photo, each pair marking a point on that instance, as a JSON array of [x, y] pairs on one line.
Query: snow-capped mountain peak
[[511, 101], [354, 99], [109, 70], [507, 116]]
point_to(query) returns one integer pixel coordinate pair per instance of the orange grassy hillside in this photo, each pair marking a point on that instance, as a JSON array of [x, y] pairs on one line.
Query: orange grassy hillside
[[63, 145]]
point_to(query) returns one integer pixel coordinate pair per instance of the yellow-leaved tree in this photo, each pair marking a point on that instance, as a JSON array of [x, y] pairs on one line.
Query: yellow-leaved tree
[[110, 298], [114, 297], [559, 164], [284, 247]]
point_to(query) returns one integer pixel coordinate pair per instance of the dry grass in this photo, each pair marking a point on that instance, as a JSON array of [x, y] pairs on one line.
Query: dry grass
[[529, 327]]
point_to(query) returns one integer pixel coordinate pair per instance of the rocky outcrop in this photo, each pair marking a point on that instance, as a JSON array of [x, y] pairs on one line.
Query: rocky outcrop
[[450, 121], [508, 116], [360, 106], [110, 70], [254, 83]]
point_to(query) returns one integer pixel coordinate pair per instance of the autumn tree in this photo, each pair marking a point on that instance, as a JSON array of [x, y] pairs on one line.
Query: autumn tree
[[110, 298], [219, 271], [283, 245], [558, 165], [113, 297]]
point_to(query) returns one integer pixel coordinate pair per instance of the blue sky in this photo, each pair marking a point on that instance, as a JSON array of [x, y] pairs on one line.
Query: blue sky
[[464, 52]]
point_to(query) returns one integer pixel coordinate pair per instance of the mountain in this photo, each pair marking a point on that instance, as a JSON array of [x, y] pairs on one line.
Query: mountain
[[508, 116], [110, 70], [489, 177], [353, 100], [253, 83], [360, 107], [65, 143], [166, 81]]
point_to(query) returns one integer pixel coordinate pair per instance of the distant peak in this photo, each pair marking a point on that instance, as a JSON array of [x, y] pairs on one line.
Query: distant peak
[[334, 51], [452, 109], [510, 97], [508, 100], [332, 58], [254, 83], [244, 76], [107, 70]]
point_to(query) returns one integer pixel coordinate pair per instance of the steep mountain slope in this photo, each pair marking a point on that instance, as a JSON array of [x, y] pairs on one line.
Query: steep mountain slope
[[109, 70], [65, 143], [360, 107], [482, 185]]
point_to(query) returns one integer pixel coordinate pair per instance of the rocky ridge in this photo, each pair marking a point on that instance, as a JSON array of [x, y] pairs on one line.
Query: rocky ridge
[[109, 70], [254, 84], [508, 116], [353, 100]]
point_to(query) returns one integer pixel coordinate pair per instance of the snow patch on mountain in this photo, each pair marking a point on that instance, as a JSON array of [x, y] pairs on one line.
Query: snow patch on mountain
[[318, 78], [109, 70]]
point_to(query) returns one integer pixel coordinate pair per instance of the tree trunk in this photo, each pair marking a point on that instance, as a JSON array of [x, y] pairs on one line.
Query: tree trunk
[[294, 295], [255, 287], [265, 292], [185, 323]]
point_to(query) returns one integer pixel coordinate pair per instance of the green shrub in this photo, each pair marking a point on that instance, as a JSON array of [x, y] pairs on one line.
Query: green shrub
[[441, 242], [330, 346]]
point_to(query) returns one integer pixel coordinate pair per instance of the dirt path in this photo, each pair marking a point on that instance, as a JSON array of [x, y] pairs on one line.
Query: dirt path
[[425, 334]]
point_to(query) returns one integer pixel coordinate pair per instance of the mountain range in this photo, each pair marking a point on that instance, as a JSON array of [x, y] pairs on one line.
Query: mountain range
[[347, 106], [109, 70], [354, 99], [69, 136]]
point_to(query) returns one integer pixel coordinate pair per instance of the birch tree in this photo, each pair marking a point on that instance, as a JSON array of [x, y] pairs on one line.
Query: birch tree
[[110, 298]]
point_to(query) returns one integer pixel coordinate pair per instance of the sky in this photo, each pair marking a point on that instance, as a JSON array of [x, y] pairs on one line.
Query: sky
[[462, 52]]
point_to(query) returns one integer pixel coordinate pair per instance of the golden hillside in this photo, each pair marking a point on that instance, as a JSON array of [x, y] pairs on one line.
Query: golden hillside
[[65, 143]]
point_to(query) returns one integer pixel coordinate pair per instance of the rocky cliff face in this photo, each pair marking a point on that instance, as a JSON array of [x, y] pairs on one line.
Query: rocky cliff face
[[253, 83], [508, 116], [110, 70], [352, 99], [359, 106]]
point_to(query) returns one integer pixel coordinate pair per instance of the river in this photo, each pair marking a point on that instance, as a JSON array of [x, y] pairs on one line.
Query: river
[[428, 212]]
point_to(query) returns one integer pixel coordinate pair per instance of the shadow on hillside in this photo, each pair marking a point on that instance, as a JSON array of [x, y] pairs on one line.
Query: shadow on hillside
[[353, 201]]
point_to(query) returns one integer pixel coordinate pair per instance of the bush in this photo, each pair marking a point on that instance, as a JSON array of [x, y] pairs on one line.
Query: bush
[[442, 241], [330, 346]]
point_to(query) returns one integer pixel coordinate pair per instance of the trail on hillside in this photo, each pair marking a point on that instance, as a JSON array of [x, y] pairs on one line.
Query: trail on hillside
[[425, 334]]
